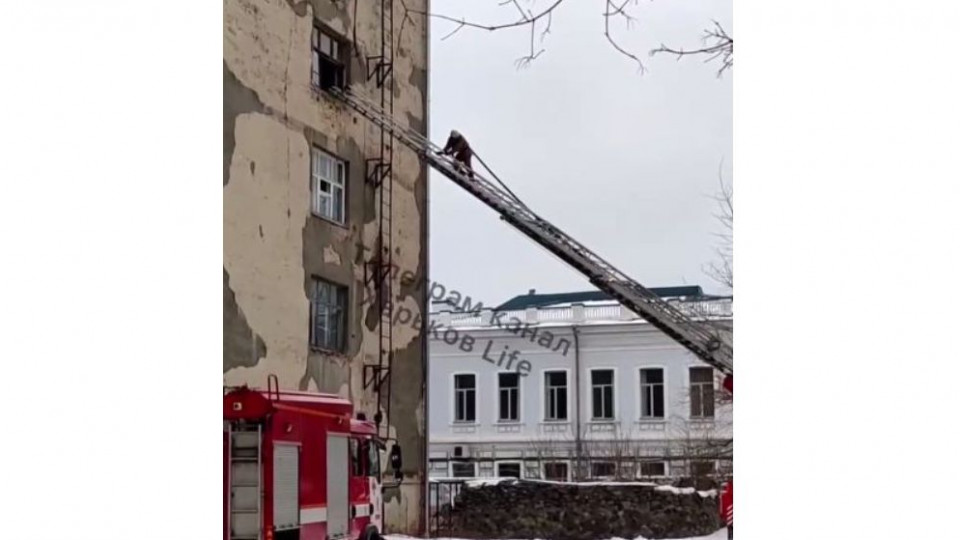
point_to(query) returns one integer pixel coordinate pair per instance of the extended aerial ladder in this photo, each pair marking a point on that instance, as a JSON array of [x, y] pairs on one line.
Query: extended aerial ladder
[[704, 341]]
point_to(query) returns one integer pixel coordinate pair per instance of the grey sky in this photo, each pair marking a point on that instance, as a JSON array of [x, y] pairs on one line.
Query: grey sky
[[623, 162]]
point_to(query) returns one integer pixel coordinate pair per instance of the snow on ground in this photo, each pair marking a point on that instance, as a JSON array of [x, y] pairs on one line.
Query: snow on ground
[[719, 535], [492, 481], [479, 482]]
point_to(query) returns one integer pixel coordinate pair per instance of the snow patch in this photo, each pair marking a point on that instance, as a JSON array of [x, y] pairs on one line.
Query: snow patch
[[719, 535], [676, 490], [478, 482]]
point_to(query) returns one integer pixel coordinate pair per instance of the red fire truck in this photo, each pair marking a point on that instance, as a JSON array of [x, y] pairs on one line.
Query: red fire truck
[[299, 466], [726, 494]]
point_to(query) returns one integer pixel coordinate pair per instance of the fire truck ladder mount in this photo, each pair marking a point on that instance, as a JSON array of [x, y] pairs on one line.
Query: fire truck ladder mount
[[707, 343]]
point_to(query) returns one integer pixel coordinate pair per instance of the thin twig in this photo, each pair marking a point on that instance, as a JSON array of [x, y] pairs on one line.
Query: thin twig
[[722, 47]]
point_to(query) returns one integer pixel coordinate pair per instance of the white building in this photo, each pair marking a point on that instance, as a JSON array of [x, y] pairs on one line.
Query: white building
[[574, 387]]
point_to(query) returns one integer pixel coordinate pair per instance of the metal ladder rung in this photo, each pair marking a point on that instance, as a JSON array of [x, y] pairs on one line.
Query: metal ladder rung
[[605, 275]]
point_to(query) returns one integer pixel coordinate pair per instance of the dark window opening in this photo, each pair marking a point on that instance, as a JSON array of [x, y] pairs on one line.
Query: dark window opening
[[556, 472], [603, 469], [653, 468], [700, 469], [464, 470], [465, 390], [556, 395], [328, 54], [509, 397], [508, 470], [651, 393], [602, 382]]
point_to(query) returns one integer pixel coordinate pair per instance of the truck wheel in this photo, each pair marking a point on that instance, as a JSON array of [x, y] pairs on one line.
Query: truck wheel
[[370, 533]]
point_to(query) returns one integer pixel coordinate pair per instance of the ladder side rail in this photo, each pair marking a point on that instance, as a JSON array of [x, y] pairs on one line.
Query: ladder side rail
[[674, 322], [601, 273]]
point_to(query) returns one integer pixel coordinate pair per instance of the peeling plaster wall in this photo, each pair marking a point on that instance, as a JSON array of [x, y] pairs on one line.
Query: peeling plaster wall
[[273, 245]]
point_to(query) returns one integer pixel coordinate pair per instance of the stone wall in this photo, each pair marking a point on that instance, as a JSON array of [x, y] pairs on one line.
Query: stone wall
[[530, 509]]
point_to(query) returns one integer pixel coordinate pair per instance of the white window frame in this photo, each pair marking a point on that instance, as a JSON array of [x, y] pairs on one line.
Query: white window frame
[[666, 468], [453, 401], [543, 469], [613, 390], [519, 411], [544, 392], [332, 311], [496, 467], [690, 384], [324, 201], [666, 400]]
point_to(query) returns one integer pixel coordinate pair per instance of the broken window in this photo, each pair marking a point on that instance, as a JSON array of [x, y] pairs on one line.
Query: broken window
[[328, 69], [701, 469], [701, 392]]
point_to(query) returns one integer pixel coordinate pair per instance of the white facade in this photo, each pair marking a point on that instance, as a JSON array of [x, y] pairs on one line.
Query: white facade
[[600, 392]]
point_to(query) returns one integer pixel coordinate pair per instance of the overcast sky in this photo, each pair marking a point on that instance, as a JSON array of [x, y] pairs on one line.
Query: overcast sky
[[623, 162]]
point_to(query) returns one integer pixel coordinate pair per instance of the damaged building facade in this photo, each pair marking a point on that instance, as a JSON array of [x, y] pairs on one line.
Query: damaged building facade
[[317, 203]]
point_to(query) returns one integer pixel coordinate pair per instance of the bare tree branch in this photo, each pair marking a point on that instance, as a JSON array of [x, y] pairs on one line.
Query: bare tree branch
[[529, 18], [606, 29], [717, 44], [721, 270]]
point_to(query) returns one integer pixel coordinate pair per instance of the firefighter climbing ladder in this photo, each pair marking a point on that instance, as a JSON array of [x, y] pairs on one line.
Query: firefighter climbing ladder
[[707, 344], [379, 173]]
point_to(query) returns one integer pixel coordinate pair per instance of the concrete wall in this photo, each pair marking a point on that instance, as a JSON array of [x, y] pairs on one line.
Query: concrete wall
[[273, 245]]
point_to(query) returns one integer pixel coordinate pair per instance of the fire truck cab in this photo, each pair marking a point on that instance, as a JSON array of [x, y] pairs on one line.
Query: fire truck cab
[[298, 466]]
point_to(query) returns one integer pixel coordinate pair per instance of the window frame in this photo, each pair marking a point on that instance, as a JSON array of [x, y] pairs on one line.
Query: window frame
[[565, 463], [602, 461], [713, 469], [613, 395], [640, 400], [666, 469], [518, 410], [545, 394], [713, 393], [316, 153], [315, 345], [519, 464], [318, 55], [454, 402], [453, 467]]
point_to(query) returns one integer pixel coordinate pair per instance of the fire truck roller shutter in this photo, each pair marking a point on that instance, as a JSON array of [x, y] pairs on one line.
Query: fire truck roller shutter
[[338, 502], [286, 487]]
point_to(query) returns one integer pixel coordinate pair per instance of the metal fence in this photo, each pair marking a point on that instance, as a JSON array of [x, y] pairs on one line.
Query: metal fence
[[442, 499]]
